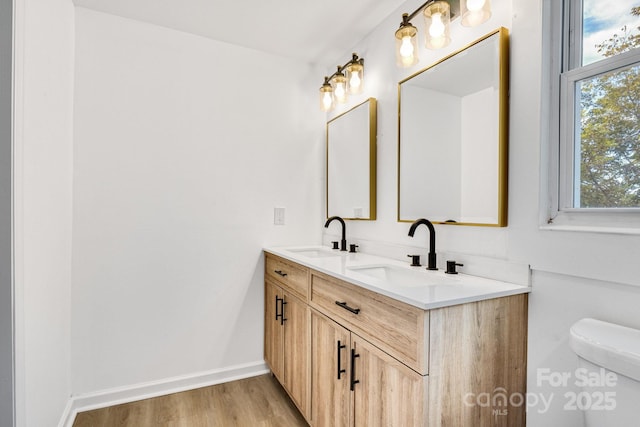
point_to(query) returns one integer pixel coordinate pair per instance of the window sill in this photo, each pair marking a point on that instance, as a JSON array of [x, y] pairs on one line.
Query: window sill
[[592, 229], [596, 221]]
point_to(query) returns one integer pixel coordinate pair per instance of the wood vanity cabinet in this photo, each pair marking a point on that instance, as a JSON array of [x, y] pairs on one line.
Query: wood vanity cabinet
[[287, 335], [354, 383], [273, 330], [330, 387], [360, 358]]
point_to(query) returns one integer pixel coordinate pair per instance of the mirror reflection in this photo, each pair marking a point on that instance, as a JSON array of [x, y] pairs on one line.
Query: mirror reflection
[[351, 163], [452, 143]]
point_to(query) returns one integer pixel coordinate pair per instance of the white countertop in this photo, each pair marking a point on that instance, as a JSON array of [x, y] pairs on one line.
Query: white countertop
[[413, 285]]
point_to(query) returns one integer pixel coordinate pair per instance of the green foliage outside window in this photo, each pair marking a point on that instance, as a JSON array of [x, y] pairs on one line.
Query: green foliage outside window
[[610, 130]]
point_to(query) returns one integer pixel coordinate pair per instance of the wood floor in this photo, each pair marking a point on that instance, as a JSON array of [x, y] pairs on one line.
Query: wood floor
[[252, 402]]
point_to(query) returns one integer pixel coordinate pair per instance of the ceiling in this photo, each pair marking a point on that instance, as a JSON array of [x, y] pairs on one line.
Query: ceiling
[[308, 30]]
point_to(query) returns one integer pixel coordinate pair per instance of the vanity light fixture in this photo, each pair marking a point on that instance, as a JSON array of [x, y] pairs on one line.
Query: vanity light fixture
[[348, 79], [339, 83], [437, 16]]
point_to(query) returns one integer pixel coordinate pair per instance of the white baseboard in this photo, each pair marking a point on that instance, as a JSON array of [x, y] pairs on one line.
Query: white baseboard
[[116, 396]]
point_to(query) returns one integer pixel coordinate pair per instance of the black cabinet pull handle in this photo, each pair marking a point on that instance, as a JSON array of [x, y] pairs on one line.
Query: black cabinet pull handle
[[353, 381], [278, 299], [340, 370], [280, 273], [282, 304], [346, 307]]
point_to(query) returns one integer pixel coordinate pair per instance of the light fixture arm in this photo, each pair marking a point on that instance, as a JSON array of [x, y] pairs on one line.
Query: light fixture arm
[[406, 17], [355, 59]]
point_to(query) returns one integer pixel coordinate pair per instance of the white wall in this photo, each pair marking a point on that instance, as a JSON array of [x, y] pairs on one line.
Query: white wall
[[574, 274], [183, 147], [43, 161]]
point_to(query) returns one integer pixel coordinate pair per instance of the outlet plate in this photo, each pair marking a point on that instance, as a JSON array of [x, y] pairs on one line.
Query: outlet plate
[[278, 216]]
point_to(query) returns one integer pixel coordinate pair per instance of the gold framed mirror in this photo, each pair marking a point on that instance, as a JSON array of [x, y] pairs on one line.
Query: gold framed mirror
[[453, 137], [351, 163]]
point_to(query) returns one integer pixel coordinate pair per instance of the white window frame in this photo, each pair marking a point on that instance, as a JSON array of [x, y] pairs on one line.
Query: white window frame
[[560, 25]]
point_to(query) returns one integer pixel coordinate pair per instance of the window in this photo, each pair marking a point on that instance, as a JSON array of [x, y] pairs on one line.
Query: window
[[598, 119]]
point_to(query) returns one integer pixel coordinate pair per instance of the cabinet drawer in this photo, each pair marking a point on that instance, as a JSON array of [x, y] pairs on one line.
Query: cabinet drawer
[[399, 329], [292, 277]]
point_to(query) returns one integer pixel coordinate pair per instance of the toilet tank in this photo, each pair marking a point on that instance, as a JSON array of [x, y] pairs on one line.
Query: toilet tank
[[612, 352]]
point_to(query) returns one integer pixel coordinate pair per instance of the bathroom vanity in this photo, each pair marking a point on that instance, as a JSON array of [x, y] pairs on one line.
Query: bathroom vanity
[[360, 340]]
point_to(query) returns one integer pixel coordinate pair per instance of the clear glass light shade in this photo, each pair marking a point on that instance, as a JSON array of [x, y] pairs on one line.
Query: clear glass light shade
[[339, 83], [406, 46], [355, 78], [326, 97], [475, 12], [437, 19]]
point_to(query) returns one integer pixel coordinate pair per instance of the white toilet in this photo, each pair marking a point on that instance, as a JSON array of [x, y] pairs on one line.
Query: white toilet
[[609, 372]]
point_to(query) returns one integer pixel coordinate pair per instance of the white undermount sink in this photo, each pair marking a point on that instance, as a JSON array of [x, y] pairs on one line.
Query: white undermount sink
[[403, 277], [314, 252]]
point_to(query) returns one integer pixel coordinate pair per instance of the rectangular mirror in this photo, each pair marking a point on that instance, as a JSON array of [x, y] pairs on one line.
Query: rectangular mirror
[[351, 163], [453, 137]]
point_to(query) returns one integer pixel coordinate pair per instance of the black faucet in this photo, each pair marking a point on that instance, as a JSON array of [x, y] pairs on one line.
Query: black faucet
[[343, 242], [432, 240]]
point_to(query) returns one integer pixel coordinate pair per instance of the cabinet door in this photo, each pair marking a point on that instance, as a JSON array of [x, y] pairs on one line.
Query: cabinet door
[[297, 350], [273, 330], [387, 393], [330, 395]]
